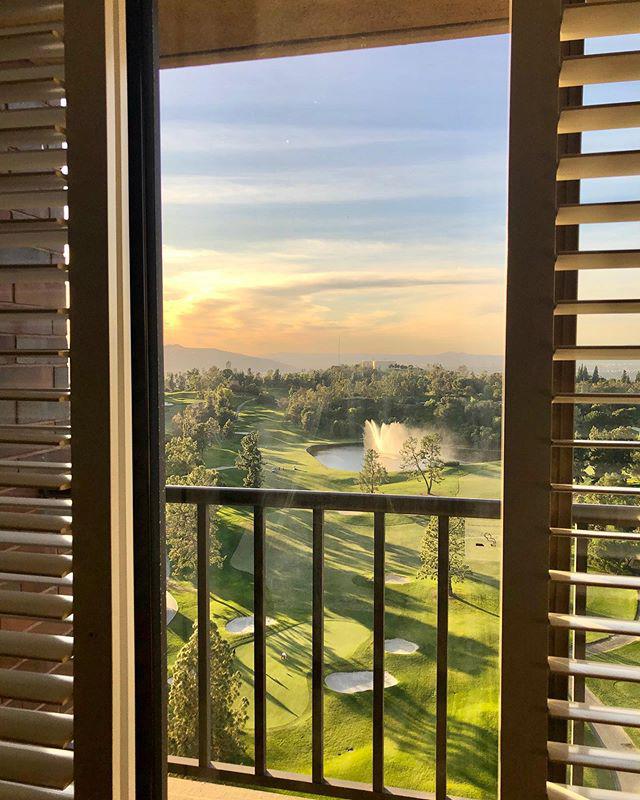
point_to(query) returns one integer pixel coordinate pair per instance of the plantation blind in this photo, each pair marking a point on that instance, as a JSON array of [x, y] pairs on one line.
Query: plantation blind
[[545, 659]]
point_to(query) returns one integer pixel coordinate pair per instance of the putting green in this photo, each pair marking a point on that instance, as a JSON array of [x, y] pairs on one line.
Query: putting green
[[288, 680]]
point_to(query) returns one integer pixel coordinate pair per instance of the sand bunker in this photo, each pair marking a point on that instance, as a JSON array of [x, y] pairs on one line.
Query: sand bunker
[[393, 577], [244, 624], [353, 682], [401, 647], [172, 607]]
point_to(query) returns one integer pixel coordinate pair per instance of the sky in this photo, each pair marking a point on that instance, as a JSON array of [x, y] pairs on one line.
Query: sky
[[348, 201]]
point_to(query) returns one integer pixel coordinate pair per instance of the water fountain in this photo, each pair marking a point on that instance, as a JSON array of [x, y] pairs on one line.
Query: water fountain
[[387, 439]]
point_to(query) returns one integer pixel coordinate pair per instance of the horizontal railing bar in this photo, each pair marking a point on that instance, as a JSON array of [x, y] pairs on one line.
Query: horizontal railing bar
[[302, 499], [275, 779]]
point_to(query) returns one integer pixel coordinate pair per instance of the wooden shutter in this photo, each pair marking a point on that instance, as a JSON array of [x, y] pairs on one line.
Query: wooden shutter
[[36, 532], [66, 662], [544, 657]]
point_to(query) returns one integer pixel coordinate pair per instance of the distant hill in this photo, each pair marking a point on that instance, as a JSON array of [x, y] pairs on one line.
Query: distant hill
[[474, 361], [179, 359]]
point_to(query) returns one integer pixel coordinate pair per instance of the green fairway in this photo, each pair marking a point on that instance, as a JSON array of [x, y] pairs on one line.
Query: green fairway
[[410, 614]]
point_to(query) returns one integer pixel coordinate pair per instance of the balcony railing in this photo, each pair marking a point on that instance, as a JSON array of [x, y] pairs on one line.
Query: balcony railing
[[379, 505]]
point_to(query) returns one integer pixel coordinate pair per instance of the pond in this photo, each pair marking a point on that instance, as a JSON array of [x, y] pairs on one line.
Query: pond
[[387, 440], [347, 457]]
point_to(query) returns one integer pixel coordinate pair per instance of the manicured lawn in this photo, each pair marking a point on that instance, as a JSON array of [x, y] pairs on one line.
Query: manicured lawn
[[620, 693], [410, 614]]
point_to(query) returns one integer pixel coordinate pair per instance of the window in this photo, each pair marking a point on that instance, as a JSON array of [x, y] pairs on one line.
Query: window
[[334, 239]]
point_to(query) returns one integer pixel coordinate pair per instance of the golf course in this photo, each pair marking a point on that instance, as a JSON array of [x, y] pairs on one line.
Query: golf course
[[289, 462], [410, 615]]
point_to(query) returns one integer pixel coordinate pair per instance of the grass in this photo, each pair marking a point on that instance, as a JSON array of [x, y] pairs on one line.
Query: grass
[[620, 693], [410, 614]]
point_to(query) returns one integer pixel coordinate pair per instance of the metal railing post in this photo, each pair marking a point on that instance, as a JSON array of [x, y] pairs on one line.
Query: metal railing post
[[378, 650], [442, 667], [317, 713], [204, 637], [259, 642]]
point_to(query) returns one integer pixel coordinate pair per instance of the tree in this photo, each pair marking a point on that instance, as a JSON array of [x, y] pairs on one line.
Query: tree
[[613, 556], [181, 453], [228, 709], [422, 459], [595, 378], [599, 461], [373, 474], [249, 460], [625, 377], [458, 568], [182, 541]]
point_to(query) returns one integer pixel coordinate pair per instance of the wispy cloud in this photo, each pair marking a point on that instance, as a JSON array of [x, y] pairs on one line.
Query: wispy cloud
[[219, 138], [260, 307], [467, 176]]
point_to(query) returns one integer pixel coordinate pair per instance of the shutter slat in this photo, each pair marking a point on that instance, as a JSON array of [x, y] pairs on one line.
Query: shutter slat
[[604, 535], [40, 766], [561, 791], [35, 687], [29, 47], [599, 165], [609, 68], [45, 728], [33, 160], [36, 646], [597, 213], [591, 352], [603, 398], [573, 307], [595, 579], [577, 622], [596, 757], [598, 259], [594, 669], [588, 712], [600, 19], [24, 200]]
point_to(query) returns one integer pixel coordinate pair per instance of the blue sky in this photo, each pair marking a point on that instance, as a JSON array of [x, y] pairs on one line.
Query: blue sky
[[357, 195]]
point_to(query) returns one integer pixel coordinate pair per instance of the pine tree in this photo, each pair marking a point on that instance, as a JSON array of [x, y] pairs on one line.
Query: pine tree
[[182, 547], [373, 474], [181, 454], [249, 460], [595, 378], [228, 709], [625, 377], [458, 568]]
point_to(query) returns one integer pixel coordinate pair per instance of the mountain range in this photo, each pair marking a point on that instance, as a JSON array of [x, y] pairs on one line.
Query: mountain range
[[179, 359]]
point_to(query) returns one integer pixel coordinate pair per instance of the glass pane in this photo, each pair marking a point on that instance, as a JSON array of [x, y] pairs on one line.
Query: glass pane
[[334, 239]]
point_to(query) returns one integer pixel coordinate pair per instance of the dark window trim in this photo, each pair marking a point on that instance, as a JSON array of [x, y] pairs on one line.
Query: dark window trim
[[147, 395]]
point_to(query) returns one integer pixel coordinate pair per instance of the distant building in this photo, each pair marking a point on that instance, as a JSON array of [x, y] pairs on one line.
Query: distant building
[[386, 366]]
